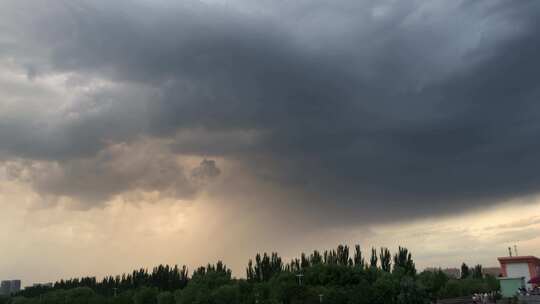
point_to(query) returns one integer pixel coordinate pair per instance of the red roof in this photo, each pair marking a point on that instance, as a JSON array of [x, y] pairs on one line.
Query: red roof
[[516, 259]]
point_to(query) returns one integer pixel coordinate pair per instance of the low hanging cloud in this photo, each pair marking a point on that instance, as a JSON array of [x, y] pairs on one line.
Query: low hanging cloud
[[361, 107], [119, 169]]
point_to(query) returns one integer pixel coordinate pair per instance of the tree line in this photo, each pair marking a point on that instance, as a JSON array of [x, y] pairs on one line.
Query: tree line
[[340, 275]]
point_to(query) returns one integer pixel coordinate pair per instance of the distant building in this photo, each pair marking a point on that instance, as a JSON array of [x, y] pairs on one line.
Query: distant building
[[48, 285], [5, 287], [15, 286], [10, 286], [454, 273], [492, 271]]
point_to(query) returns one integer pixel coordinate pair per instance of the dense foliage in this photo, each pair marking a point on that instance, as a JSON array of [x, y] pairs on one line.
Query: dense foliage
[[334, 276]]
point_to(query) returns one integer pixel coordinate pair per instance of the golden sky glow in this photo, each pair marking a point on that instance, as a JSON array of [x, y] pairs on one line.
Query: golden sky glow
[[121, 236]]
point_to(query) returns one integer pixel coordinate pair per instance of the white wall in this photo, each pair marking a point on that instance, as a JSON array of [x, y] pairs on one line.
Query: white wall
[[514, 270]]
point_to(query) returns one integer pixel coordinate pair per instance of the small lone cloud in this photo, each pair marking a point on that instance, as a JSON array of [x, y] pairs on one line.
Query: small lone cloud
[[205, 172]]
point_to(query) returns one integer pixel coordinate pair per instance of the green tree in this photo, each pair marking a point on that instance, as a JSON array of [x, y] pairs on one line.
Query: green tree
[[411, 293], [477, 272], [403, 262], [334, 276], [385, 258], [226, 294], [146, 295], [358, 259], [373, 259], [125, 297], [386, 289], [267, 266], [433, 282], [492, 283], [465, 271], [452, 289], [165, 297], [19, 300]]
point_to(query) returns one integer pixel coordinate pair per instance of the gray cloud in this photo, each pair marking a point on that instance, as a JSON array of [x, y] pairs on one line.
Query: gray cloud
[[119, 169], [206, 170], [418, 107]]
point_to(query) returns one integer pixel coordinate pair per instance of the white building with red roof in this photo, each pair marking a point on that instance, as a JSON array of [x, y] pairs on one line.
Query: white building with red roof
[[526, 267]]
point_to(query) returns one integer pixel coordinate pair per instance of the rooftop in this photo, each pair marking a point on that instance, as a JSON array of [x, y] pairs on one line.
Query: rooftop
[[525, 258]]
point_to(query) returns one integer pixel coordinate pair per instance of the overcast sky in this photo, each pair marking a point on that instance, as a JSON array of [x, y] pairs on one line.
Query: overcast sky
[[141, 132]]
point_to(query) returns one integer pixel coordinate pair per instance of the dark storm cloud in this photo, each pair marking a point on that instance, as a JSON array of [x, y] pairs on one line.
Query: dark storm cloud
[[413, 106]]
